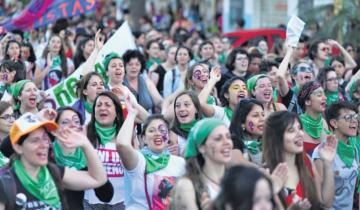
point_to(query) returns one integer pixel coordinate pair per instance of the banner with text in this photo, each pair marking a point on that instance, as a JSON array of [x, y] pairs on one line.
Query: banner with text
[[43, 12], [64, 93]]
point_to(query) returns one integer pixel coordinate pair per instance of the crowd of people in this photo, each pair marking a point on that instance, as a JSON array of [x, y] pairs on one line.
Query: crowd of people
[[182, 122]]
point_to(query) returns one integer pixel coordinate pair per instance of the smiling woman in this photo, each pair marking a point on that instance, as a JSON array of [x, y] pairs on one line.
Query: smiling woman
[[25, 95]]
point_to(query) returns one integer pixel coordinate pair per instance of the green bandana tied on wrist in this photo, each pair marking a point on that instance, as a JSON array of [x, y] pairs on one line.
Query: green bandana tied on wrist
[[43, 189], [3, 160], [76, 160], [155, 162], [198, 135], [187, 126], [229, 112], [88, 107], [331, 97], [313, 127], [105, 134], [211, 100], [346, 152]]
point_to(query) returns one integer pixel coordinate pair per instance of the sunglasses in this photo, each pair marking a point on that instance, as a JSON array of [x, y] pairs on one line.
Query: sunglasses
[[325, 49]]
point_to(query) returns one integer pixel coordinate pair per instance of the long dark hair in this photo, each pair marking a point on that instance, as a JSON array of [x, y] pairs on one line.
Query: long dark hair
[[225, 89], [8, 46], [238, 188], [79, 55], [238, 133], [119, 119], [82, 84], [273, 153], [61, 110], [63, 58], [195, 100]]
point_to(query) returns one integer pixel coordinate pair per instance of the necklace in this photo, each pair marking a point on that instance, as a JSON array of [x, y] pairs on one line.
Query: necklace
[[210, 179]]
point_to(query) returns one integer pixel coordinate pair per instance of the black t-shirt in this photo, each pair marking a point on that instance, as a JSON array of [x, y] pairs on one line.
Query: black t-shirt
[[24, 199]]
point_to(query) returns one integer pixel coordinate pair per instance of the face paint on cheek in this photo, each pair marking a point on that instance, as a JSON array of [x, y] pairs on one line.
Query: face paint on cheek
[[5, 77], [197, 74], [251, 126], [164, 133]]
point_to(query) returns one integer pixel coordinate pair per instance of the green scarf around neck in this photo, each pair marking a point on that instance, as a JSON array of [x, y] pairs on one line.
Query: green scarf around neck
[[187, 126], [105, 134], [211, 100], [155, 162], [3, 160], [43, 189], [296, 89], [331, 97], [76, 160], [313, 127], [346, 152], [253, 146], [88, 107], [229, 112]]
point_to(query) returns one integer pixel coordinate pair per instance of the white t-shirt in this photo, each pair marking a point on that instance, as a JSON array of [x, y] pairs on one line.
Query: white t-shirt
[[221, 115], [115, 172], [159, 184]]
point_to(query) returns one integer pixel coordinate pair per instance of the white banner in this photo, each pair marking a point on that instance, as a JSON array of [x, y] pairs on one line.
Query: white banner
[[64, 93]]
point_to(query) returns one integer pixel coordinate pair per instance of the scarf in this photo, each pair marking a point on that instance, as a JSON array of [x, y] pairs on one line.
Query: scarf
[[88, 107], [253, 146], [44, 189], [76, 160], [313, 127], [331, 97], [3, 160], [346, 152], [275, 95], [211, 100], [296, 89], [187, 126], [105, 134], [229, 112], [154, 161]]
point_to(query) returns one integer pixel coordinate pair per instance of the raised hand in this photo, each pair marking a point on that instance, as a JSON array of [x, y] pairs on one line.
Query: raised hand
[[215, 74], [131, 107], [279, 177], [47, 114], [49, 60], [99, 40], [327, 150], [71, 139]]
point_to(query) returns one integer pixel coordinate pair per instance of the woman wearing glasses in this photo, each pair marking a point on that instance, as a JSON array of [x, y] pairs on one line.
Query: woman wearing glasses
[[343, 120], [330, 82]]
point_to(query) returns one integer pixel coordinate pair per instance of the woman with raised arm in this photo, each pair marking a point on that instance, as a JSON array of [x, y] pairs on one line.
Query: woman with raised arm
[[39, 182], [153, 170], [231, 93]]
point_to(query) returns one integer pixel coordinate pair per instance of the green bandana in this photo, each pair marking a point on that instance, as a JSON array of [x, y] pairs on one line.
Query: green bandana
[[198, 135], [105, 134], [346, 153], [187, 126], [313, 127], [88, 107], [76, 160], [331, 97], [251, 83], [155, 162], [211, 100], [229, 112], [17, 87], [44, 189], [3, 160], [253, 146], [106, 62]]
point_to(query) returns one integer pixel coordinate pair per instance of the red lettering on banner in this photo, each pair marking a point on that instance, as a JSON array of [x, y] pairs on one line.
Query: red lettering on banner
[[50, 16], [77, 6], [63, 9], [90, 5]]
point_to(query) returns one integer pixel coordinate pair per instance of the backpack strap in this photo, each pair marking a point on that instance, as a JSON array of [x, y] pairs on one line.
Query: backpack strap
[[173, 80], [9, 186]]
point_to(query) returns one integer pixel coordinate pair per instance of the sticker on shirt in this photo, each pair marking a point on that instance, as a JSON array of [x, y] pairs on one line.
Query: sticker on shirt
[[54, 77], [22, 202], [161, 192]]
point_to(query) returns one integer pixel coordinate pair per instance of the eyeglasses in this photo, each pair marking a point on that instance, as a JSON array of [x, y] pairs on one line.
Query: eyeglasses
[[325, 49], [8, 117], [333, 80], [350, 117], [303, 69]]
